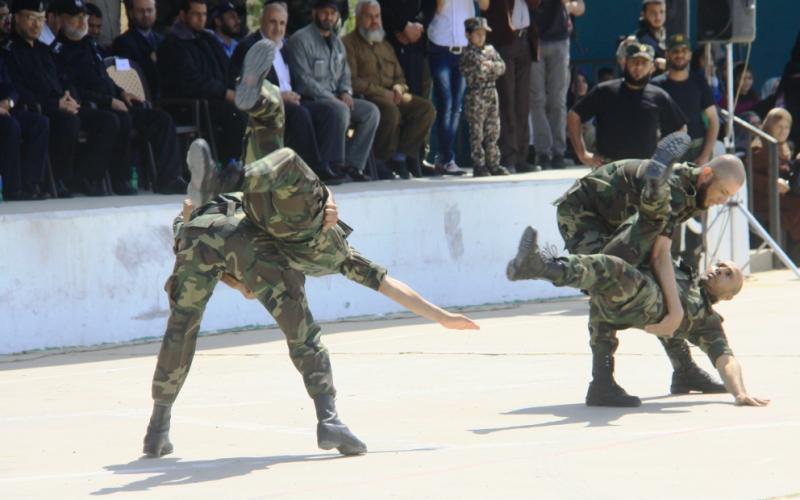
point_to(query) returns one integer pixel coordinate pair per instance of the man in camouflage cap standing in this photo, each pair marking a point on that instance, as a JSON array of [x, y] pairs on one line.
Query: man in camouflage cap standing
[[264, 241], [603, 213]]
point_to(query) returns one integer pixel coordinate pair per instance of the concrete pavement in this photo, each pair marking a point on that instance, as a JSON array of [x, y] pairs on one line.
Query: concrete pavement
[[497, 413]]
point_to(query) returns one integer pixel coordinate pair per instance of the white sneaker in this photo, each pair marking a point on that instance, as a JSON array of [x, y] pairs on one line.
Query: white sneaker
[[451, 168]]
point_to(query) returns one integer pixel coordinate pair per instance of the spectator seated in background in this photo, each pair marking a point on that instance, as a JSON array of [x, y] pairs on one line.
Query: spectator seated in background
[[310, 125], [630, 112], [319, 70], [652, 31], [745, 95], [80, 62], [778, 123], [140, 43], [301, 15], [23, 143], [405, 119], [51, 25], [96, 27], [226, 24], [605, 74], [693, 95], [5, 21], [193, 65]]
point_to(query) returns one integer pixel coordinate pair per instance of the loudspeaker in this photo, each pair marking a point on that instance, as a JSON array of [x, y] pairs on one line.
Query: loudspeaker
[[677, 17], [726, 21]]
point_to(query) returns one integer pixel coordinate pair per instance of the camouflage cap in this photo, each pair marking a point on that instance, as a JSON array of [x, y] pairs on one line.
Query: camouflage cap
[[284, 197], [677, 40], [640, 50], [476, 23]]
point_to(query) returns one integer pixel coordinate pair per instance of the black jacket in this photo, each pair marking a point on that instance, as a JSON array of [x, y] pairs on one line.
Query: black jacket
[[193, 65], [33, 71], [82, 66], [134, 46], [395, 14]]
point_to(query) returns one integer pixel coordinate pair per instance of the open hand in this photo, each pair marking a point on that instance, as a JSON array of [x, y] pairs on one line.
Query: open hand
[[331, 217], [745, 400]]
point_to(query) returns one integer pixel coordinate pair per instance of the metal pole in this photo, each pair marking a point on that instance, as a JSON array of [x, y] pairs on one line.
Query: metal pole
[[756, 227], [774, 197], [730, 147]]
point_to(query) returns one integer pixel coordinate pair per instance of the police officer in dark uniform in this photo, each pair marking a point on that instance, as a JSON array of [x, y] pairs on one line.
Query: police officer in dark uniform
[[141, 41], [79, 60], [193, 65], [23, 143], [33, 70]]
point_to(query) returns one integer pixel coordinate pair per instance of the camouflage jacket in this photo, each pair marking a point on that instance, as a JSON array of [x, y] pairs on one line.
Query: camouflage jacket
[[613, 191], [472, 67]]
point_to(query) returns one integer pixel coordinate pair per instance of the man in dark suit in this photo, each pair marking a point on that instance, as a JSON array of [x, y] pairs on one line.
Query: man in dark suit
[[309, 124], [404, 22], [193, 65], [514, 36], [140, 42]]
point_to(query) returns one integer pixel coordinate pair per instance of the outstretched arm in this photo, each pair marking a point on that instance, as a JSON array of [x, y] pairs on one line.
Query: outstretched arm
[[411, 300], [731, 374], [661, 265]]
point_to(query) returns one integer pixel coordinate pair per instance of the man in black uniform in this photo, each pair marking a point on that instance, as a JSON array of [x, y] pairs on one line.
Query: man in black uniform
[[193, 64], [33, 70], [630, 113], [79, 60], [140, 43], [23, 143]]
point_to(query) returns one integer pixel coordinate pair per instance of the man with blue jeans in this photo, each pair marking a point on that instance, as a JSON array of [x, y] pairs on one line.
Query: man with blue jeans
[[447, 41], [318, 65], [550, 80]]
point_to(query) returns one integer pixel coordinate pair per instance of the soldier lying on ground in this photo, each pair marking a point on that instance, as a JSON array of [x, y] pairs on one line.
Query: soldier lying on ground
[[264, 241]]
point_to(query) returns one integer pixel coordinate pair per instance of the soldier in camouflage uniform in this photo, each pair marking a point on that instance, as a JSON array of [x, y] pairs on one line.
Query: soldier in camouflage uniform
[[623, 296], [602, 213], [481, 66], [264, 241]]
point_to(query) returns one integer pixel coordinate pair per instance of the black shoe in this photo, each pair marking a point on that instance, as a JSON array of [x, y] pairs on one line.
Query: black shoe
[[557, 162], [62, 191], [399, 167], [480, 171], [329, 177], [331, 432], [544, 161], [499, 170], [156, 441], [257, 63], [531, 263], [40, 193], [384, 172], [92, 187], [175, 186], [429, 170], [122, 188], [355, 174], [522, 168], [609, 393], [414, 166], [694, 379]]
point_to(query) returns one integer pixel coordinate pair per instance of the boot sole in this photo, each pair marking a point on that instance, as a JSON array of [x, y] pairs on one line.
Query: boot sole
[[257, 63], [672, 148]]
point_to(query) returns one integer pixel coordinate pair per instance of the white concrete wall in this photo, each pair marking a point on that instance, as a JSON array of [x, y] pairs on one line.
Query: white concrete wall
[[85, 277]]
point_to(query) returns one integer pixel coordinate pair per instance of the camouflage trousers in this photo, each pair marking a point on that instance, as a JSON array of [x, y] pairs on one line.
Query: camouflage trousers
[[482, 110], [265, 126], [587, 233]]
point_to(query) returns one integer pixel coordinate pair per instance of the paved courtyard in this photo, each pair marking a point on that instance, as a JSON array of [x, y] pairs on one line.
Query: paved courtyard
[[491, 414]]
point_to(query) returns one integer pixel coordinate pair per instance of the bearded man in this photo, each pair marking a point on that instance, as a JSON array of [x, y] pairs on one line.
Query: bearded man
[[630, 112]]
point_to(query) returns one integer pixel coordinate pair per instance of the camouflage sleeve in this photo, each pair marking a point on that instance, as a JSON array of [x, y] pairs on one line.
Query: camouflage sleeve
[[470, 67], [499, 64], [708, 334], [363, 271]]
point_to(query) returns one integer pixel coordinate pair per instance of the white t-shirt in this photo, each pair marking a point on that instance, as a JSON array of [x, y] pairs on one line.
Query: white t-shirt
[[447, 27]]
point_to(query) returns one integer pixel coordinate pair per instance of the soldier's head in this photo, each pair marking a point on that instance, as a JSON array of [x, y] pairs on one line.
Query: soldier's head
[[368, 17], [475, 28], [74, 19], [718, 180], [142, 14], [194, 13], [29, 18], [654, 13], [325, 15], [722, 281], [95, 20], [226, 20], [274, 18], [5, 19]]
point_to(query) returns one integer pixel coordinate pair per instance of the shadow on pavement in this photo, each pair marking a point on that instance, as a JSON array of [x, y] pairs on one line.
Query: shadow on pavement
[[596, 416]]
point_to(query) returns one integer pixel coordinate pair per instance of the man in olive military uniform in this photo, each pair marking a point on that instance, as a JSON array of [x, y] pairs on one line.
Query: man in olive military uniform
[[80, 62], [623, 296], [283, 226], [599, 214]]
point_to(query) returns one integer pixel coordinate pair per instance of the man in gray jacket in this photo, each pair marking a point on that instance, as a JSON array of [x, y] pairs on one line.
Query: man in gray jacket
[[318, 64]]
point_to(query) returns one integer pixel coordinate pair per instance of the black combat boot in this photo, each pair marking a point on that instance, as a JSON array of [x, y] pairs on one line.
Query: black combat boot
[[603, 389], [331, 432], [657, 170], [530, 263], [256, 66], [688, 377], [156, 441]]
